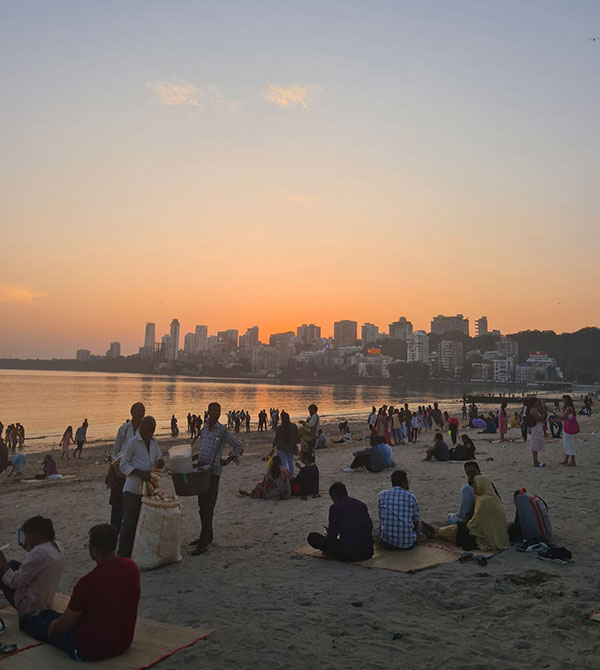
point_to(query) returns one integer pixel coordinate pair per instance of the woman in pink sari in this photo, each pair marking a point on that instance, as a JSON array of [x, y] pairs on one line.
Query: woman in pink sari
[[502, 421]]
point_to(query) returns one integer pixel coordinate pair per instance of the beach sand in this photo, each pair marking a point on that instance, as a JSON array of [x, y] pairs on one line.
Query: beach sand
[[271, 608]]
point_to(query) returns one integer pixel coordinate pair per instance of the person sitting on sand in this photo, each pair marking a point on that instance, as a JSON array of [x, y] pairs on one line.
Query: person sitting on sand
[[307, 478], [464, 451], [490, 426], [439, 451], [274, 486], [467, 494], [49, 467], [344, 429], [321, 440], [375, 459], [487, 528], [350, 531], [100, 619], [398, 514], [31, 585]]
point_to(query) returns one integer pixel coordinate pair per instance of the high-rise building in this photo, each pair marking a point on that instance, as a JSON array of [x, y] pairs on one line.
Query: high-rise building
[[401, 329], [83, 354], [283, 346], [417, 349], [189, 343], [481, 327], [249, 338], [308, 333], [450, 357], [508, 348], [165, 346], [174, 340], [369, 333], [228, 337], [114, 351], [345, 333], [449, 324], [150, 336], [201, 335]]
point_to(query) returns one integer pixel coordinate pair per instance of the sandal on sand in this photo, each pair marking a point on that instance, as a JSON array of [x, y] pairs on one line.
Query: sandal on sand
[[559, 555]]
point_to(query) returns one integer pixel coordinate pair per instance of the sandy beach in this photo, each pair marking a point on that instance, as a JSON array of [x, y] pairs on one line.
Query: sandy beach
[[271, 608]]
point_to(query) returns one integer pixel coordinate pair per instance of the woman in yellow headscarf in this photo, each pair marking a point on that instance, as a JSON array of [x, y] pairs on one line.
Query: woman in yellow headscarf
[[487, 529]]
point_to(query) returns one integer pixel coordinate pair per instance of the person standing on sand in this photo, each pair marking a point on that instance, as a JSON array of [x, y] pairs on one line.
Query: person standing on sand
[[502, 421], [139, 456], [21, 435], [213, 438], [66, 441], [534, 418], [570, 429], [115, 480], [80, 437]]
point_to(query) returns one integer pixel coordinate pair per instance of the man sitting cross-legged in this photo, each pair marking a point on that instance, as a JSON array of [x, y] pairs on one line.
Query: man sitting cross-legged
[[99, 621], [398, 514], [350, 531]]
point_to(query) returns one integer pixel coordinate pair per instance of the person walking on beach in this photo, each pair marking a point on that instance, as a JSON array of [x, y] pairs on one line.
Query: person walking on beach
[[174, 427], [80, 437], [115, 479], [21, 435], [139, 456], [66, 441], [213, 438], [247, 422]]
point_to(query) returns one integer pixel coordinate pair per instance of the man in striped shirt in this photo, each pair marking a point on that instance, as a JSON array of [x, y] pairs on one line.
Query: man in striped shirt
[[213, 438]]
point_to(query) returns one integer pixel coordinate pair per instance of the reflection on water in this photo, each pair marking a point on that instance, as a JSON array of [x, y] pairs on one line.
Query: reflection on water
[[46, 402]]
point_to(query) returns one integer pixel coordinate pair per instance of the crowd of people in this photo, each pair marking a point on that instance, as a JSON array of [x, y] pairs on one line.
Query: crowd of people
[[86, 630]]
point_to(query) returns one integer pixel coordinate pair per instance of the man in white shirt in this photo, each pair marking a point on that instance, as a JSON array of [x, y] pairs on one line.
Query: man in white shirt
[[114, 479], [31, 585], [138, 457]]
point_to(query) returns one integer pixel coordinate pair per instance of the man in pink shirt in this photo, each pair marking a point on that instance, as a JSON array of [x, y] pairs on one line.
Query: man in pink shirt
[[31, 585]]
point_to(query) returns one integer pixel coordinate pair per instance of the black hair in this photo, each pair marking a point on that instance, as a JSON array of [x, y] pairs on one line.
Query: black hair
[[439, 436], [275, 470], [104, 538], [338, 490], [475, 463], [467, 440], [214, 404], [41, 526], [398, 476]]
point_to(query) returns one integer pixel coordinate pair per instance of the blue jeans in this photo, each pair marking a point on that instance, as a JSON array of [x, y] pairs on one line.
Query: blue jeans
[[287, 460], [37, 624]]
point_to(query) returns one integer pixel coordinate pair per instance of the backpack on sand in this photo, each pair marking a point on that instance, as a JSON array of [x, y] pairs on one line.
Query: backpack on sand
[[531, 518]]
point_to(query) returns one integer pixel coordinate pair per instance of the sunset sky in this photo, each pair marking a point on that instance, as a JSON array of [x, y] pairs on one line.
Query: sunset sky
[[274, 163]]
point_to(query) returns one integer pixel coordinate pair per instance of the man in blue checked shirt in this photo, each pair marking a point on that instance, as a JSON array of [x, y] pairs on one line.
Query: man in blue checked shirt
[[213, 438], [398, 514]]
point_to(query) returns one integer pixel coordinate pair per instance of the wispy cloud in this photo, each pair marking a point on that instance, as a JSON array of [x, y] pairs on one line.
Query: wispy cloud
[[15, 293], [183, 93], [299, 198], [295, 95]]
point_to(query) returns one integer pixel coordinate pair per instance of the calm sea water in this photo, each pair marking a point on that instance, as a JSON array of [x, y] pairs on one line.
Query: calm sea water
[[46, 402]]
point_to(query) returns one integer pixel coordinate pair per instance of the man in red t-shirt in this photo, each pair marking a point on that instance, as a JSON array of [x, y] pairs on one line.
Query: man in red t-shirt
[[99, 621]]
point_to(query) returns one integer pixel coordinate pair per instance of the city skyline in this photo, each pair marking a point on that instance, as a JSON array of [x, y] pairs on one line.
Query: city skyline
[[256, 163]]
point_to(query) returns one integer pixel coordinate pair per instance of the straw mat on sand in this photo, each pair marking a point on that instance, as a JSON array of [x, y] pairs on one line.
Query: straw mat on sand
[[152, 643], [424, 555]]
